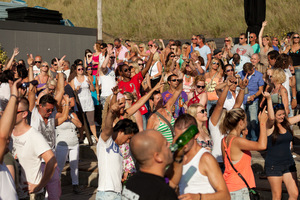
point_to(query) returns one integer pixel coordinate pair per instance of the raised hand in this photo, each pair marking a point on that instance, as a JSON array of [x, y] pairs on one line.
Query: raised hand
[[266, 95], [243, 84], [263, 116], [30, 59], [16, 52], [66, 99], [153, 49], [115, 90], [109, 49], [60, 62], [264, 23]]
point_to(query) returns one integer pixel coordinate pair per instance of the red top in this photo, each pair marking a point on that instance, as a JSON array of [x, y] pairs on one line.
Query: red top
[[133, 86], [195, 99], [243, 166], [95, 67]]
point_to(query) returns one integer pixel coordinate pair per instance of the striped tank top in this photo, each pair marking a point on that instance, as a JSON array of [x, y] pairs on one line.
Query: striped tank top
[[164, 129]]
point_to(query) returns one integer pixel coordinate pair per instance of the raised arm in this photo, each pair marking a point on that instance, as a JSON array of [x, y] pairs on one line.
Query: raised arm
[[62, 117], [104, 65], [9, 64], [60, 89], [148, 65], [176, 94], [107, 130], [219, 107], [32, 88], [239, 100], [261, 32], [130, 111], [271, 115], [8, 118]]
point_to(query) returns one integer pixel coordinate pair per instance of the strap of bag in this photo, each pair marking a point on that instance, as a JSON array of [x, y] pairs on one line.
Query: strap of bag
[[209, 84], [240, 175], [167, 122]]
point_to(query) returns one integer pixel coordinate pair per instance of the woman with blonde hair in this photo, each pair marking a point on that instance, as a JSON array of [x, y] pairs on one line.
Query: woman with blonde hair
[[212, 45], [265, 44], [155, 70], [43, 77], [142, 51], [236, 151], [199, 95], [279, 93], [199, 112], [190, 72], [132, 51], [228, 44], [212, 79]]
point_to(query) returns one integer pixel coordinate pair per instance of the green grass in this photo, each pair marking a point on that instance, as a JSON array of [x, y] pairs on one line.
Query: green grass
[[178, 19]]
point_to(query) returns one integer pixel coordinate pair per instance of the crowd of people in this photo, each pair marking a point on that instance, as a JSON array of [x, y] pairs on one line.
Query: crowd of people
[[142, 98]]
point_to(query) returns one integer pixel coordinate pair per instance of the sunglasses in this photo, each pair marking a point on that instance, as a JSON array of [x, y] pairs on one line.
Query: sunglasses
[[172, 56], [150, 45], [141, 47], [37, 61], [229, 70], [126, 70], [201, 86], [278, 106], [215, 63], [296, 37], [112, 57], [194, 38], [202, 111], [45, 66], [128, 45], [21, 111], [251, 37], [54, 64], [89, 69], [140, 64], [49, 110], [241, 38], [226, 40], [80, 69], [174, 80]]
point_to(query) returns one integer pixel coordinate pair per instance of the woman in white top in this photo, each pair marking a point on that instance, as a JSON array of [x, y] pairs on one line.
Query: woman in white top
[[155, 70], [83, 86], [67, 142]]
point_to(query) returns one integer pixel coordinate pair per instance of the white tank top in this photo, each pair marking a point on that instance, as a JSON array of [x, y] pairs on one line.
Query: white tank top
[[192, 181], [154, 70], [108, 81], [84, 95], [66, 134]]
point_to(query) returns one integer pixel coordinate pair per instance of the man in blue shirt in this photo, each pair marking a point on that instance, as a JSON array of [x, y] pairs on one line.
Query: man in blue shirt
[[255, 88]]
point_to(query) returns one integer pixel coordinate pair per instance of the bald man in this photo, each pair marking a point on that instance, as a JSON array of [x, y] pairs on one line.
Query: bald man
[[152, 152]]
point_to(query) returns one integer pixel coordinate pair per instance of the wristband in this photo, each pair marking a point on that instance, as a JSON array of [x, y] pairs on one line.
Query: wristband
[[294, 98], [59, 72], [13, 95]]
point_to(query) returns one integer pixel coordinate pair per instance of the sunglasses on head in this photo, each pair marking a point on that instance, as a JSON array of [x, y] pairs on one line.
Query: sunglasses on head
[[201, 86], [202, 111], [174, 80], [80, 69], [278, 106], [229, 70], [215, 63], [37, 61]]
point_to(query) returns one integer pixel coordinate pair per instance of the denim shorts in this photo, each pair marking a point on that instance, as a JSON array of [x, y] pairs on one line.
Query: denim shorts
[[108, 195], [242, 194], [279, 170]]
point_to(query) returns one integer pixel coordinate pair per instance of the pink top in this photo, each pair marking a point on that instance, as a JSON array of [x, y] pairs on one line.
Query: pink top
[[187, 85], [95, 67]]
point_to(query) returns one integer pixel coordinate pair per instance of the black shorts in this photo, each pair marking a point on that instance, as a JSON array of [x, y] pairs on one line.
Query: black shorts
[[279, 170]]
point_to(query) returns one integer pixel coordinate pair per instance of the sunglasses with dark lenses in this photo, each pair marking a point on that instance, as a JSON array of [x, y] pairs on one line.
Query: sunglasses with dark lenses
[[202, 111], [278, 106], [194, 38], [54, 64], [126, 70], [45, 66], [140, 64], [150, 45], [37, 61], [251, 37], [89, 69], [215, 63], [80, 69], [172, 56], [296, 37], [201, 86], [229, 70], [174, 80], [112, 57], [226, 40], [241, 38]]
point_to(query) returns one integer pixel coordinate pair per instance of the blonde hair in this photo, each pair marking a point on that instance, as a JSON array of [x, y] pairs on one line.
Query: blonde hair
[[216, 59], [192, 109], [156, 57], [292, 38], [183, 66], [269, 40], [212, 45], [133, 49], [278, 76], [230, 120], [51, 82], [168, 66], [143, 45], [231, 42]]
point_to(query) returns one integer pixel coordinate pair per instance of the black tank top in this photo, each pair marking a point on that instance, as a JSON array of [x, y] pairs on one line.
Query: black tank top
[[295, 57], [280, 152]]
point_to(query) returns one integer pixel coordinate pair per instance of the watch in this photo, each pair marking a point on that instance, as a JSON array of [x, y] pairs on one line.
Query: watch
[[294, 98]]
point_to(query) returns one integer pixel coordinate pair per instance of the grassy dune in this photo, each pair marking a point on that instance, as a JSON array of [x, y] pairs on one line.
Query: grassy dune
[[179, 19]]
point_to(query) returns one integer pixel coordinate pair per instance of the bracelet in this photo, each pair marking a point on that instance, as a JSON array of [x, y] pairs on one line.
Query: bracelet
[[179, 161], [13, 95], [242, 88], [59, 72]]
